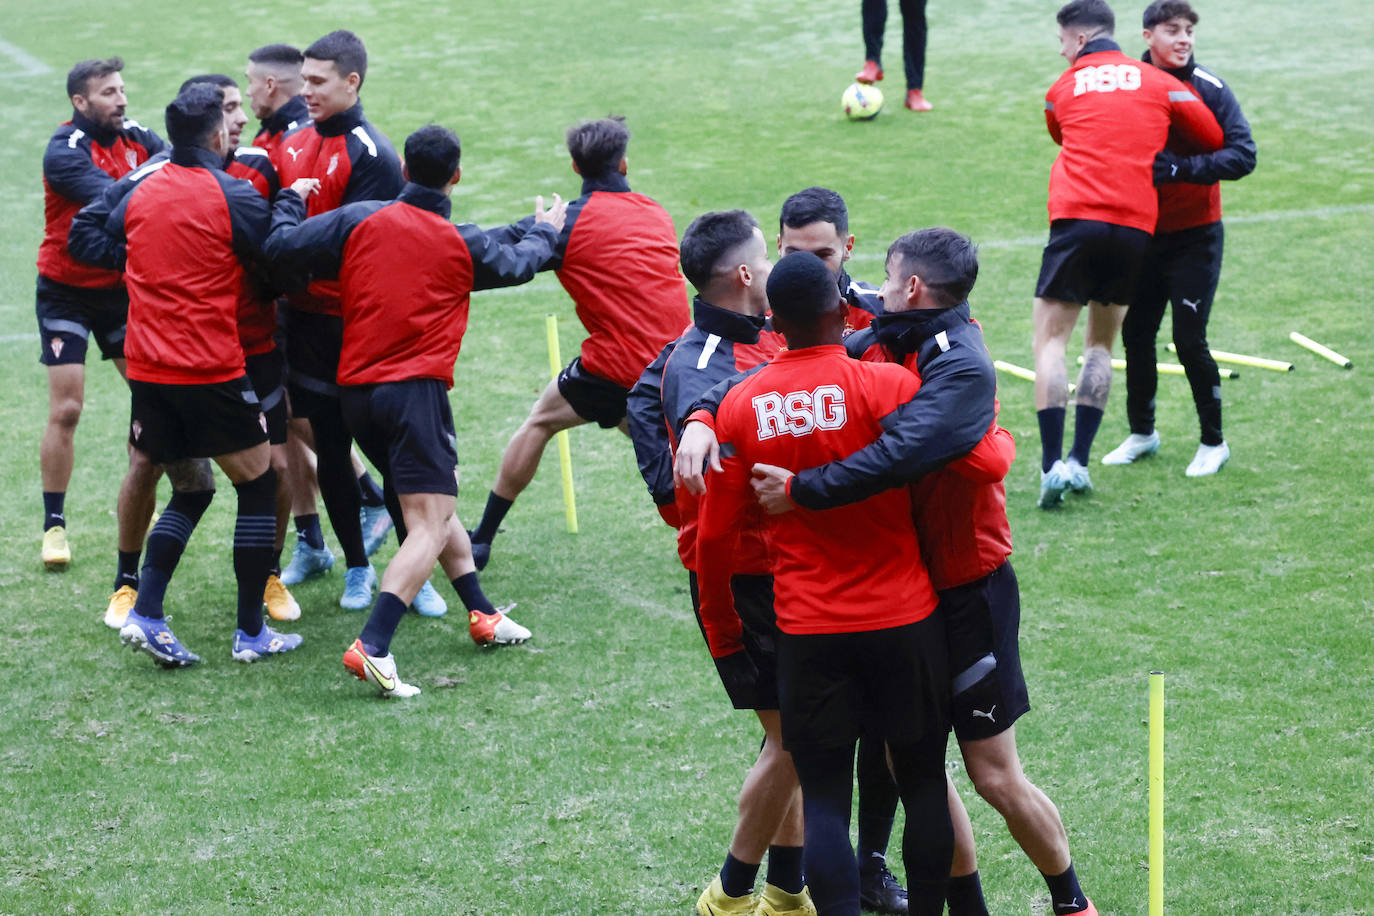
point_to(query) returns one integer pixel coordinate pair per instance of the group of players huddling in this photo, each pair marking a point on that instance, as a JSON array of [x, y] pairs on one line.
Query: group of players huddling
[[828, 451]]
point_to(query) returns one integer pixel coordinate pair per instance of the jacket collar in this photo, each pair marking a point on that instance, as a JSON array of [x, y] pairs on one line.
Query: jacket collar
[[904, 332], [1184, 73], [102, 135], [610, 181], [1097, 46], [417, 195], [280, 121], [196, 157], [341, 123], [727, 324]]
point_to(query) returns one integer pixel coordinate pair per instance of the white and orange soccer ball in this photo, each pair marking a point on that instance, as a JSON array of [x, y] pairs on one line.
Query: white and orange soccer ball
[[861, 102]]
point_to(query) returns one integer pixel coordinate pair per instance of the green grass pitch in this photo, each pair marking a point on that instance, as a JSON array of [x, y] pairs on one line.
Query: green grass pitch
[[595, 769]]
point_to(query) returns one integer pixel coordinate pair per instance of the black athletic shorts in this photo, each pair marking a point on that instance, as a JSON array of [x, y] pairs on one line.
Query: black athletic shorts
[[313, 344], [754, 603], [406, 430], [982, 623], [1091, 261], [267, 373], [171, 422], [67, 315], [892, 684], [595, 399]]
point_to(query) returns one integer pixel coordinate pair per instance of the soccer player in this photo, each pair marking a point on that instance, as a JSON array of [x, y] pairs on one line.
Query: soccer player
[[1110, 115], [617, 258], [406, 273], [817, 220], [961, 521], [75, 300], [1183, 260], [274, 92], [352, 161], [859, 647], [725, 258], [913, 47], [191, 396]]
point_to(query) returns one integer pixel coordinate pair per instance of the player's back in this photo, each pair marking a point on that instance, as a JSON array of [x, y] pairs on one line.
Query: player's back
[[848, 569]]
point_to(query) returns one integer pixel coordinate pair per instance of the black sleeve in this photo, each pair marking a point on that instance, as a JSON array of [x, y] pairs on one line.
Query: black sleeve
[[251, 217], [96, 235], [948, 416], [376, 173], [69, 171], [1236, 158], [649, 429], [509, 235], [710, 401], [149, 140], [300, 248], [496, 264]]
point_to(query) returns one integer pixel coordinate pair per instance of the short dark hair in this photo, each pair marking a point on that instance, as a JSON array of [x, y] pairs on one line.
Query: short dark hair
[[196, 112], [214, 79], [598, 146], [801, 288], [814, 205], [945, 260], [345, 49], [280, 55], [709, 239], [432, 155], [1087, 13], [80, 76], [1164, 10]]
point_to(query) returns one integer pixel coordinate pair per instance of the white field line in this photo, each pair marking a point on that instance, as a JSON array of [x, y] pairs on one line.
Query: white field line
[[28, 64]]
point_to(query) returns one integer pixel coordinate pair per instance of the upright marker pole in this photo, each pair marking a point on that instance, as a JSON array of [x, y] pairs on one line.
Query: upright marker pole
[[1156, 793], [564, 446]]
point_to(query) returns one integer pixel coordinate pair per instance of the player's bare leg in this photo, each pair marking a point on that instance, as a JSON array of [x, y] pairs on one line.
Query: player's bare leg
[[57, 456], [995, 769], [965, 894], [1094, 385], [1053, 321]]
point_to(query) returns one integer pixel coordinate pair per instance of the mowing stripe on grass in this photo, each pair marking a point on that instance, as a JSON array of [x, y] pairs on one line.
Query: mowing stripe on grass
[[29, 65]]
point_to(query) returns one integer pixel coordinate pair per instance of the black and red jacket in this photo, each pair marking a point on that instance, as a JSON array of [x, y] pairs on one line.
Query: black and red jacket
[[617, 257], [719, 344], [353, 161], [81, 161], [287, 118], [257, 304], [1192, 196], [405, 272], [182, 230]]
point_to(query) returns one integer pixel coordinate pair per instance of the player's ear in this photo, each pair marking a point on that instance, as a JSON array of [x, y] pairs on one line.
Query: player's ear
[[457, 176], [405, 172], [624, 167], [576, 170], [848, 247]]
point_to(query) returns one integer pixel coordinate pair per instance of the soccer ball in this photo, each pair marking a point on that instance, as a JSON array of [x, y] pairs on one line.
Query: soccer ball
[[862, 103]]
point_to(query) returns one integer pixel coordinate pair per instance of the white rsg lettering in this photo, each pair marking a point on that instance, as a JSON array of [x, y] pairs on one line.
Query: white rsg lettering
[[799, 413], [1106, 78]]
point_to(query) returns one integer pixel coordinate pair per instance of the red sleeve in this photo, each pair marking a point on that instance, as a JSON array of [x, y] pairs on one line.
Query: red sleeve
[[1051, 120], [723, 508], [701, 416], [991, 458]]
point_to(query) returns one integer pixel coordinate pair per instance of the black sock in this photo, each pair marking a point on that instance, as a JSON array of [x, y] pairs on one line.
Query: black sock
[[1086, 420], [878, 799], [737, 878], [255, 532], [165, 545], [52, 510], [785, 868], [1065, 894], [372, 494], [308, 530], [492, 517], [275, 568], [965, 896], [381, 624], [1051, 421], [126, 573], [470, 593]]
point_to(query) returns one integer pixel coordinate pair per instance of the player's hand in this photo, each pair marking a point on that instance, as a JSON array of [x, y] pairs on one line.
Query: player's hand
[[1168, 168], [697, 447], [305, 186], [555, 215], [770, 488]]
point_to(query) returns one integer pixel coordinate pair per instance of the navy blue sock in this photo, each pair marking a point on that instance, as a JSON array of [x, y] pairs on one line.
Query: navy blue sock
[[737, 878], [52, 510], [165, 546], [372, 494], [308, 530], [492, 516], [785, 868], [127, 571], [1065, 894], [381, 624], [965, 896], [1051, 421], [254, 533], [1086, 420], [470, 593]]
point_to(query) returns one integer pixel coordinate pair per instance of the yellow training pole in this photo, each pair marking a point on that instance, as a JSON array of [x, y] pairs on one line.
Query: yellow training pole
[[1019, 371], [1240, 359], [564, 447], [1308, 343], [1156, 793], [1170, 368]]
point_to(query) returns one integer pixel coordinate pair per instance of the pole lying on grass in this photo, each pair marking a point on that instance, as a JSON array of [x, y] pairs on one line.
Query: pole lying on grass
[[1170, 368], [1020, 372], [1156, 793], [1308, 343], [564, 446], [1240, 359]]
